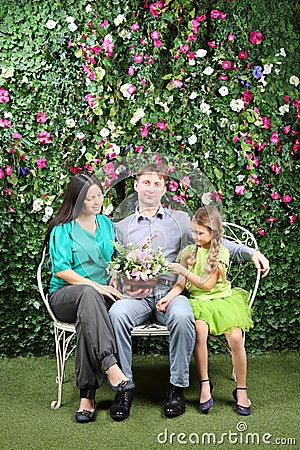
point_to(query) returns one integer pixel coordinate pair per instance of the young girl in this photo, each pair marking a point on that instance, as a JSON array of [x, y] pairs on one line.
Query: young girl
[[218, 309]]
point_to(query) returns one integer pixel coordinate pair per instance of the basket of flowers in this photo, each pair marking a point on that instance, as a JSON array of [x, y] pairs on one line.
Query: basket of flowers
[[138, 266]]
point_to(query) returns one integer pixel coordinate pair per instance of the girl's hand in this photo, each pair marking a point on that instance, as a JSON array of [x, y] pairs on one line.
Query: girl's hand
[[162, 304], [178, 268]]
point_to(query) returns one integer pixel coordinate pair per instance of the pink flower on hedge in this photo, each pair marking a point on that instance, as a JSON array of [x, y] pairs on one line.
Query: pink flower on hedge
[[223, 77], [1, 173], [108, 46], [214, 13], [212, 44], [131, 89], [286, 198], [90, 99], [41, 163], [271, 219], [44, 137], [266, 122], [144, 132], [261, 231], [138, 58], [287, 129], [161, 125], [255, 37], [4, 96], [275, 195], [243, 55], [274, 138], [5, 123], [75, 169], [275, 168], [138, 149], [8, 170], [41, 117], [240, 190], [11, 209], [216, 196], [173, 186], [230, 37], [135, 27], [293, 218], [154, 35], [157, 43], [16, 135], [226, 64], [156, 8], [131, 70]]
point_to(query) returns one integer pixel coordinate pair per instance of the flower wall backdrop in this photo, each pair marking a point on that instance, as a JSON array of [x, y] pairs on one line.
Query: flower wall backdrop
[[85, 85]]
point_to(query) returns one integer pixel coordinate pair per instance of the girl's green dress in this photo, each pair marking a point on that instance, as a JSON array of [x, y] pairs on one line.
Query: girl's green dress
[[222, 307]]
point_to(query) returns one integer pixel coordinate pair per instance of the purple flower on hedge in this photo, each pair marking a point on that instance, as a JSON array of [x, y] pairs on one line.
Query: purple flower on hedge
[[257, 72], [244, 82], [24, 171]]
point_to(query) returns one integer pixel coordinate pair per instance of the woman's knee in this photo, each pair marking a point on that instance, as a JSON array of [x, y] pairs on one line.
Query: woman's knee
[[235, 339]]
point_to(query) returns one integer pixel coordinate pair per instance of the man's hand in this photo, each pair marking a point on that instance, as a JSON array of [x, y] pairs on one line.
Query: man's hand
[[138, 293], [261, 262]]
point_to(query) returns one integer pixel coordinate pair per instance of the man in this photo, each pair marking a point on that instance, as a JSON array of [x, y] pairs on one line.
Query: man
[[169, 229]]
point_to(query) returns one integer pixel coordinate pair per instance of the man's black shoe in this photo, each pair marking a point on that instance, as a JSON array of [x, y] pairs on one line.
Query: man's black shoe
[[175, 403], [120, 409]]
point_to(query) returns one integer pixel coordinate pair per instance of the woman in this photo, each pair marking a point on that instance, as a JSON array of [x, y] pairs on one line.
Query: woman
[[80, 244]]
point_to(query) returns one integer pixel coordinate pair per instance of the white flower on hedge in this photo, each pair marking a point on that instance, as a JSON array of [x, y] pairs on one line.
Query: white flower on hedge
[[205, 108], [88, 8], [80, 136], [99, 72], [104, 132], [223, 91], [115, 148], [201, 53], [267, 68], [70, 19], [206, 198], [281, 53], [7, 115], [284, 109], [178, 138], [119, 19], [7, 72], [124, 89], [262, 80], [37, 205], [107, 210], [294, 80], [197, 125], [70, 123], [50, 24], [193, 95], [48, 211], [206, 155], [208, 70], [72, 26], [25, 79], [138, 114], [237, 105], [241, 178], [223, 122], [192, 139], [111, 125], [124, 34], [192, 62]]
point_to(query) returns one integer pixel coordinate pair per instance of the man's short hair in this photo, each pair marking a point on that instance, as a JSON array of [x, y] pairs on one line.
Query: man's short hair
[[159, 169]]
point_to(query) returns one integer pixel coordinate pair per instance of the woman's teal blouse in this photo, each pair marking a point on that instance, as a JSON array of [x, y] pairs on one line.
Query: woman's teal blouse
[[71, 247]]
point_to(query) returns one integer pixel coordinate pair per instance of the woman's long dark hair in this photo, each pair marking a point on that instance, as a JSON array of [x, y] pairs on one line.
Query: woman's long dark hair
[[71, 206]]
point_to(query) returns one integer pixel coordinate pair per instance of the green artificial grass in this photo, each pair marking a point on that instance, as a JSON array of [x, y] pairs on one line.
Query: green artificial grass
[[28, 388]]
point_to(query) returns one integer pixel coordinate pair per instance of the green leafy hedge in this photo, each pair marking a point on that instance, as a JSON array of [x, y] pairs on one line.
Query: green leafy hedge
[[86, 85]]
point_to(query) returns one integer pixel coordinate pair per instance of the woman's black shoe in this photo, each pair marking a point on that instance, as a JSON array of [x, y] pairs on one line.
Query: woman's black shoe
[[86, 415]]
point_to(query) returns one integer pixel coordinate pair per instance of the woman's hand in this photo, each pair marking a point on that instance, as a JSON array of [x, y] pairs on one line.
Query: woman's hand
[[108, 291]]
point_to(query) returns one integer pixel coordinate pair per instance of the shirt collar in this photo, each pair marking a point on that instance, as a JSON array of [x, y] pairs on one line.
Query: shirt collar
[[160, 213]]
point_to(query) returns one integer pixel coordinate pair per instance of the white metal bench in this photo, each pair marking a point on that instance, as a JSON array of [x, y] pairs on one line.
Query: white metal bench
[[64, 332]]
